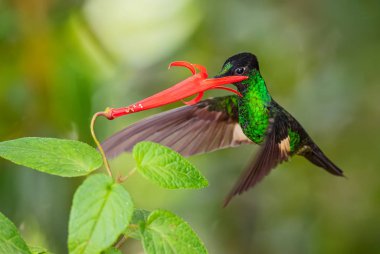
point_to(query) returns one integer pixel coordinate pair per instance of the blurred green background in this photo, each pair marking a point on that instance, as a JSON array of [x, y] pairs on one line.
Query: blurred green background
[[61, 61]]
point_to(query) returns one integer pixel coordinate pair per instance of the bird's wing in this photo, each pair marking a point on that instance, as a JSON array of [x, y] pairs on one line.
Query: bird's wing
[[203, 127], [276, 148]]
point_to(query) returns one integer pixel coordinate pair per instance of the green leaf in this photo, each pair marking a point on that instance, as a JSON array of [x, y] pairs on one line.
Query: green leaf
[[112, 250], [10, 240], [166, 167], [166, 233], [39, 250], [139, 216], [53, 156], [101, 211]]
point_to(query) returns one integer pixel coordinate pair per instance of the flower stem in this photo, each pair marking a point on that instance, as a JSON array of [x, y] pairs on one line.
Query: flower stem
[[100, 148]]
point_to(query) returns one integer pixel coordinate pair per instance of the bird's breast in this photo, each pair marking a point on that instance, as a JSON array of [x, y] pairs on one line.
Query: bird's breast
[[254, 120]]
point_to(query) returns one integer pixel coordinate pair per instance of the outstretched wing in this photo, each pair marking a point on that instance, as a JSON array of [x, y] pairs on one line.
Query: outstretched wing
[[203, 127], [276, 148]]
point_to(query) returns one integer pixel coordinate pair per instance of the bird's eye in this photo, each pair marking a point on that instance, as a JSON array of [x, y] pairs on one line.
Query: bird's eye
[[240, 70]]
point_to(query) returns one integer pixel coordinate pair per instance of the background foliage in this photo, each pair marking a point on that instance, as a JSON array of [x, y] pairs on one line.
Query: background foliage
[[63, 60]]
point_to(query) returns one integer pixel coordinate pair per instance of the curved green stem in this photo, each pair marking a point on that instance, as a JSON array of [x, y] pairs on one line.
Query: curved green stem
[[100, 148]]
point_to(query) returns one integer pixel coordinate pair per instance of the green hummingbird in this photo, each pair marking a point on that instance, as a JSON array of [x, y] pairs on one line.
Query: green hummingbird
[[229, 121]]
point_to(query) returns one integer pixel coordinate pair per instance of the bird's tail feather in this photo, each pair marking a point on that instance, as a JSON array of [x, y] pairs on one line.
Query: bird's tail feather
[[316, 156]]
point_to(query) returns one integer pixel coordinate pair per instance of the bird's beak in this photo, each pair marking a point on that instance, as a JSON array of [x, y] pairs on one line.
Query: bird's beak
[[198, 83]]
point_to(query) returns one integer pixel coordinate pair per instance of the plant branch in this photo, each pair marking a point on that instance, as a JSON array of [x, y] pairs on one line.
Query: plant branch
[[120, 243], [123, 178]]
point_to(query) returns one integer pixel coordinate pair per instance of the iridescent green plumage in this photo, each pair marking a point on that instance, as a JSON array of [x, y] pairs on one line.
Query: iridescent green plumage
[[227, 122], [294, 140], [253, 107]]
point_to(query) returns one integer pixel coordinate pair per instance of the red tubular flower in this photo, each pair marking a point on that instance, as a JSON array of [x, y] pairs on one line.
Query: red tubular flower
[[196, 84]]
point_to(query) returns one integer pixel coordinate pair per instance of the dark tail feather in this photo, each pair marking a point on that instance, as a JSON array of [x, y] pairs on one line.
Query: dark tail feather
[[317, 157]]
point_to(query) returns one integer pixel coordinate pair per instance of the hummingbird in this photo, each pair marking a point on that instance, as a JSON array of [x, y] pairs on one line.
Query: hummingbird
[[254, 117]]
